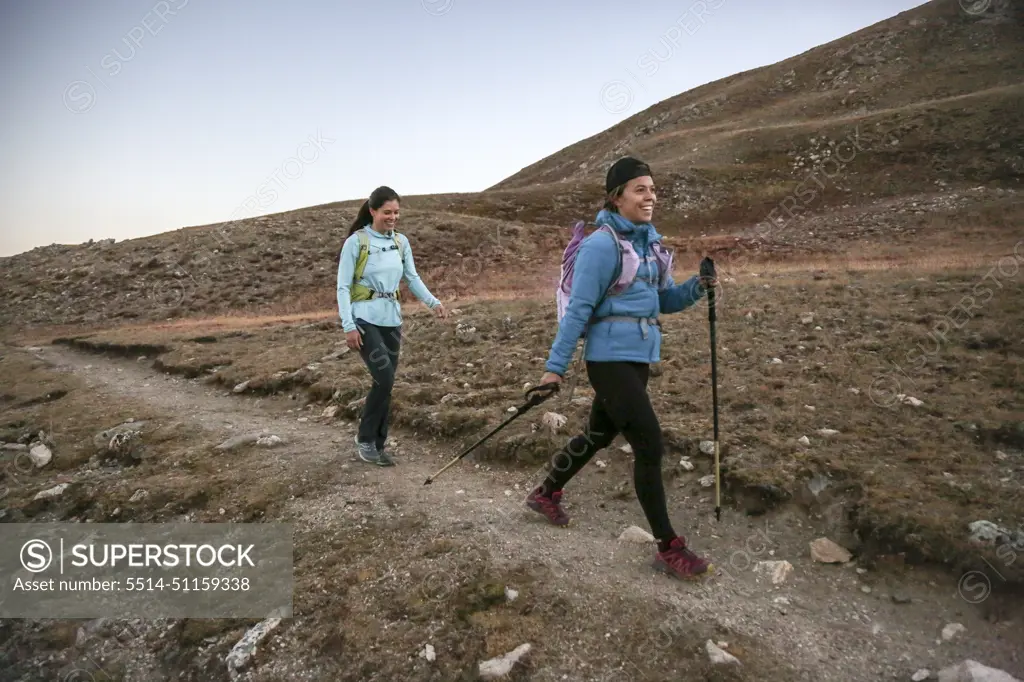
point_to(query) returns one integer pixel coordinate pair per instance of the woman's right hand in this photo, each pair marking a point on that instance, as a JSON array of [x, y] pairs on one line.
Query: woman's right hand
[[550, 378], [354, 339]]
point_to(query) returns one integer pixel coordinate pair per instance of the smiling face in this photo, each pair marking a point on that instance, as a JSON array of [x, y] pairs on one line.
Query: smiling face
[[385, 218], [636, 204]]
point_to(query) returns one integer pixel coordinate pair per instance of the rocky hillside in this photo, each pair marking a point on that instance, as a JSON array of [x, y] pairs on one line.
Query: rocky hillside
[[904, 138], [927, 99]]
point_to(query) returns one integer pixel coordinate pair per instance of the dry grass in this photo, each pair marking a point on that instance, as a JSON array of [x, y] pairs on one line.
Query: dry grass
[[352, 619], [866, 322]]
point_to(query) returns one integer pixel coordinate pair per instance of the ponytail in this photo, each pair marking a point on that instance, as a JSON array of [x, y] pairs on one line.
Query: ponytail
[[363, 218]]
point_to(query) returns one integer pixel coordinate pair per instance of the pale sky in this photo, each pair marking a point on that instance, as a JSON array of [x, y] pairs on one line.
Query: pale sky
[[127, 118]]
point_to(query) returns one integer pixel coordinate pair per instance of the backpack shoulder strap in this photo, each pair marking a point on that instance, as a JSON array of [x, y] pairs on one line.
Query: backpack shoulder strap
[[402, 243], [618, 245], [364, 251]]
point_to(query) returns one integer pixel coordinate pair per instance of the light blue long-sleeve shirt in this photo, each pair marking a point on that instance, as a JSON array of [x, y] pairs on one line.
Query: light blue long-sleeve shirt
[[384, 271]]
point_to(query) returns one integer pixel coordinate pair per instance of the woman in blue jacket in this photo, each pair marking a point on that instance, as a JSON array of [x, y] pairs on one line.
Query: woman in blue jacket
[[371, 314], [622, 339]]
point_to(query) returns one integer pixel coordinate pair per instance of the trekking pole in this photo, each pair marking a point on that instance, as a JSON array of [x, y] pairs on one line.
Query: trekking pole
[[541, 393], [707, 269]]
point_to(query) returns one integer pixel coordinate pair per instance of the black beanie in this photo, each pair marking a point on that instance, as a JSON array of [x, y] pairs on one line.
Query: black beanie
[[624, 170]]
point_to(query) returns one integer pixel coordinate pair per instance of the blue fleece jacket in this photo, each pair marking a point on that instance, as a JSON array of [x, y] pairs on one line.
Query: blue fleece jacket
[[597, 263], [384, 271]]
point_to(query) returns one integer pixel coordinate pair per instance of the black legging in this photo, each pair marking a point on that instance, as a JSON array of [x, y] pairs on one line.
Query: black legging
[[621, 405], [380, 353]]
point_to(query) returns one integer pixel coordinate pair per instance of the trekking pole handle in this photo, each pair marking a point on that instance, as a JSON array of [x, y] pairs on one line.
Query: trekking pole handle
[[538, 394]]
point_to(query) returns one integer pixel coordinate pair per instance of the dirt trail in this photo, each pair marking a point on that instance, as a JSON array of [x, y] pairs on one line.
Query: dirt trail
[[821, 619]]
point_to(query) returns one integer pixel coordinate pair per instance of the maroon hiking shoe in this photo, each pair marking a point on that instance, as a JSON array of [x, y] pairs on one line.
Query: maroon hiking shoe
[[680, 561], [550, 507]]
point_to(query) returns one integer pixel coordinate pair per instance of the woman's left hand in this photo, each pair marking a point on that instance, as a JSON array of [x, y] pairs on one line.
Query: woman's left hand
[[708, 282], [441, 311]]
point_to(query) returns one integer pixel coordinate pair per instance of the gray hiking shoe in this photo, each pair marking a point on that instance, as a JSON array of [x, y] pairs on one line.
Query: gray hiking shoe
[[384, 459], [367, 452]]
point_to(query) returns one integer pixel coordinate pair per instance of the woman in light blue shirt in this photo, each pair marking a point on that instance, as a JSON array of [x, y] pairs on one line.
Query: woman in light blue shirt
[[371, 314]]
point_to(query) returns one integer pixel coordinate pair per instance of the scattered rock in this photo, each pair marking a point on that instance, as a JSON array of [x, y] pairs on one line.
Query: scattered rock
[[428, 653], [637, 535], [103, 439], [922, 674], [627, 448], [909, 400], [719, 657], [15, 447], [809, 407], [987, 533], [972, 671], [804, 440], [900, 599], [40, 455], [707, 481], [53, 492], [778, 570], [855, 391], [336, 355], [707, 447], [1001, 456], [139, 495], [865, 589], [807, 318], [241, 388], [776, 361], [511, 594], [818, 484], [553, 421], [827, 432], [501, 666], [825, 551], [686, 464], [240, 655], [331, 412], [261, 438], [951, 631], [601, 465]]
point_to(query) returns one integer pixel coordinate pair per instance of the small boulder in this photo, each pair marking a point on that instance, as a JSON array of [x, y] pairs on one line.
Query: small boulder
[[987, 533], [51, 493], [637, 535], [40, 455], [825, 551], [804, 440], [553, 421], [951, 631], [707, 447], [718, 656], [501, 666], [707, 481], [778, 570], [240, 655], [972, 671]]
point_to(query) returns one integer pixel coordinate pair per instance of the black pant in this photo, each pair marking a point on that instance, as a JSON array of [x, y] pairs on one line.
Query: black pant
[[380, 353], [621, 405]]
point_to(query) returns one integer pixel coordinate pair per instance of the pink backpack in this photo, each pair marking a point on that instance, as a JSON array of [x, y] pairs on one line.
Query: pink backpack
[[629, 264]]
